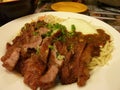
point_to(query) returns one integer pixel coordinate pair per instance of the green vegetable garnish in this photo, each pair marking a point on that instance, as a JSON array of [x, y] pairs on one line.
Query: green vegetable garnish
[[73, 28], [39, 24], [38, 50], [59, 56], [35, 33], [49, 26], [54, 28], [51, 47], [70, 47]]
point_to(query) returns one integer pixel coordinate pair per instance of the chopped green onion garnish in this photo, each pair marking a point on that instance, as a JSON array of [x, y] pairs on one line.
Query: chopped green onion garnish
[[35, 33], [51, 47], [59, 56], [38, 50], [73, 28]]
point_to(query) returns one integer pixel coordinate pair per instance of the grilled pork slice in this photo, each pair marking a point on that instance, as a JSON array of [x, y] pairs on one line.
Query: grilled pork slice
[[48, 79], [83, 74], [87, 54], [32, 70], [11, 57], [43, 30], [31, 39], [44, 49], [33, 42], [57, 54], [85, 59], [45, 45], [61, 47], [53, 60], [69, 70], [28, 38]]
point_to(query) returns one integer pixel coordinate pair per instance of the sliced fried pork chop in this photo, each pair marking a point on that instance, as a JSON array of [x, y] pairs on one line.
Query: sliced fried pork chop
[[11, 57], [48, 80], [32, 70], [44, 49], [68, 58], [69, 70], [83, 70]]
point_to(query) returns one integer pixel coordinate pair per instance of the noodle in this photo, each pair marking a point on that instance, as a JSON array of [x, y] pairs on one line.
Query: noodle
[[104, 57]]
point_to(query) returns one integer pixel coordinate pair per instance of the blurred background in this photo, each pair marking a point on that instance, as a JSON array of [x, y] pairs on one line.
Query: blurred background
[[105, 10]]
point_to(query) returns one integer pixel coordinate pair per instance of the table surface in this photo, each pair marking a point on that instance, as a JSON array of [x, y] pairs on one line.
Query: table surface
[[109, 17]]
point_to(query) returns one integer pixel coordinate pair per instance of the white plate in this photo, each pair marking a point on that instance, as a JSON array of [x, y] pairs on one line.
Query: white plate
[[104, 78]]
